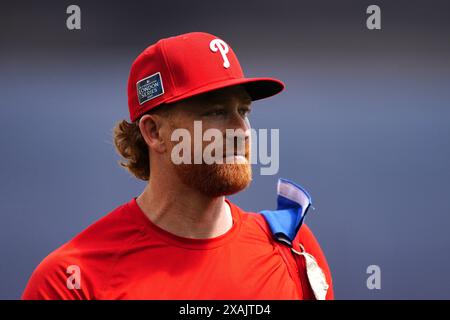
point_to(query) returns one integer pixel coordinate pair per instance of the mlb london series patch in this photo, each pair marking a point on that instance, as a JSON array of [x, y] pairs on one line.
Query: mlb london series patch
[[149, 88]]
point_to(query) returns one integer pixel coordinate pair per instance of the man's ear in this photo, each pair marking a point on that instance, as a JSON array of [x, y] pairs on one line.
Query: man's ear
[[150, 126]]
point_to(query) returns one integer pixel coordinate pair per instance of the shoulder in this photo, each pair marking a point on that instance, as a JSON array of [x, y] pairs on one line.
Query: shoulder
[[50, 278], [256, 224], [79, 268], [252, 223]]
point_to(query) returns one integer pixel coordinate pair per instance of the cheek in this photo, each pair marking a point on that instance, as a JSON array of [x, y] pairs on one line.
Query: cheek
[[219, 124], [201, 133], [181, 135], [176, 128], [213, 133]]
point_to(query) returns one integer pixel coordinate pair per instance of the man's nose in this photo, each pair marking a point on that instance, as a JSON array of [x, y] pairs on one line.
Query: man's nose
[[238, 121], [240, 137]]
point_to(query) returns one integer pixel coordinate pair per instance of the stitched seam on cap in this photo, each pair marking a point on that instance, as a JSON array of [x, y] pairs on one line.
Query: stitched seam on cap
[[169, 69]]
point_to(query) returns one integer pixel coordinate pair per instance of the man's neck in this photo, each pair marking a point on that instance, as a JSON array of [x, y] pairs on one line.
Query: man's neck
[[184, 212]]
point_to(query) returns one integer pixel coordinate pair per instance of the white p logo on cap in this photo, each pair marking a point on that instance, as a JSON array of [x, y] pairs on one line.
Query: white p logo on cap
[[220, 45]]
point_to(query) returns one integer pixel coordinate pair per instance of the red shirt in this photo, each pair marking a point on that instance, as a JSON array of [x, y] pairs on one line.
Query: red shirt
[[125, 255]]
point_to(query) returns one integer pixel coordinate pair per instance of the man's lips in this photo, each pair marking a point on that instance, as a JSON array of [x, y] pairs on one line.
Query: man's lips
[[237, 158], [237, 154]]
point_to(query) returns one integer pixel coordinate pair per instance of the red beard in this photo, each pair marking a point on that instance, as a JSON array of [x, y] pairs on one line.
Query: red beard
[[215, 180]]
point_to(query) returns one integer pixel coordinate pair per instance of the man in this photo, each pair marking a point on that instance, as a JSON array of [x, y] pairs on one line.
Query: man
[[181, 238]]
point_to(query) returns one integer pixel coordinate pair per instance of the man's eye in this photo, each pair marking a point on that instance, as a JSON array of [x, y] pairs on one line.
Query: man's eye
[[245, 112], [219, 112]]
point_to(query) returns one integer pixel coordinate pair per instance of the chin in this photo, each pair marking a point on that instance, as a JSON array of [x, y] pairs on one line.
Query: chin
[[217, 179]]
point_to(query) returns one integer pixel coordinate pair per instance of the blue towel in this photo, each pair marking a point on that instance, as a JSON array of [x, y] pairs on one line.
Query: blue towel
[[293, 203]]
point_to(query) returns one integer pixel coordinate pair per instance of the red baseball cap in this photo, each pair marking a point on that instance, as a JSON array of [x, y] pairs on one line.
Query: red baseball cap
[[182, 66]]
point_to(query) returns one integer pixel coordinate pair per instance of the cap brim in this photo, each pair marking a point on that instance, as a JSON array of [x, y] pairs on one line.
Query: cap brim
[[257, 88]]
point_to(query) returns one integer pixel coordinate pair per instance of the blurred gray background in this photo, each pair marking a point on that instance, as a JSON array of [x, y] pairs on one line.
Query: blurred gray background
[[364, 126]]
